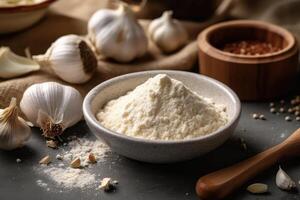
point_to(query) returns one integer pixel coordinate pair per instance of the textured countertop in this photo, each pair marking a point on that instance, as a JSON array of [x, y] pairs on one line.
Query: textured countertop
[[142, 181]]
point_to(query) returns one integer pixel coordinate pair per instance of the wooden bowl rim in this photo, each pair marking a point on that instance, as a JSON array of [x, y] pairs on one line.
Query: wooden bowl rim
[[26, 8], [203, 38]]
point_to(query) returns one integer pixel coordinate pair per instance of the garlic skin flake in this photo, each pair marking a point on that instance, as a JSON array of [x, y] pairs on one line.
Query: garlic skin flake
[[284, 181], [52, 106], [12, 65], [117, 34], [168, 33], [70, 58], [14, 131]]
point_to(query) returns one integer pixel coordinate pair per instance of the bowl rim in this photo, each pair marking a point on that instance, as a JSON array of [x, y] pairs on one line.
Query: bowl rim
[[285, 34], [89, 116], [26, 8]]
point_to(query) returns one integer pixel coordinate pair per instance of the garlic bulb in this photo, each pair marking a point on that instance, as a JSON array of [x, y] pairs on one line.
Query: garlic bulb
[[117, 34], [71, 59], [52, 107], [12, 65], [14, 131], [167, 33], [284, 181]]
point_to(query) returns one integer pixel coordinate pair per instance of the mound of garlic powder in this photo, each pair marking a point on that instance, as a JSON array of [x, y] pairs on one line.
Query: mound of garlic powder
[[162, 109]]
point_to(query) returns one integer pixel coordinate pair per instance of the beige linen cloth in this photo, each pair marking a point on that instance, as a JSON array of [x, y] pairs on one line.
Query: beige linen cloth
[[70, 17]]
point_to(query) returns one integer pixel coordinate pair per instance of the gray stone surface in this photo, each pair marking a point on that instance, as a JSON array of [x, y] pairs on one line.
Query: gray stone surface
[[142, 181]]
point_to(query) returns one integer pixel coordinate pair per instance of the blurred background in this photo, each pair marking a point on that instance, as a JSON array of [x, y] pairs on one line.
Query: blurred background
[[66, 17]]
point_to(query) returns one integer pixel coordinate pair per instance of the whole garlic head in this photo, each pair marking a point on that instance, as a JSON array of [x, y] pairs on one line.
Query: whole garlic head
[[167, 33], [70, 58], [52, 106], [14, 131], [117, 34]]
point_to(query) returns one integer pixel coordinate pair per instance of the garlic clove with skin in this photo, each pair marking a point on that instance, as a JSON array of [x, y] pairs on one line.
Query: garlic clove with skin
[[167, 33], [284, 181], [117, 34], [14, 131], [12, 65], [71, 59], [52, 106]]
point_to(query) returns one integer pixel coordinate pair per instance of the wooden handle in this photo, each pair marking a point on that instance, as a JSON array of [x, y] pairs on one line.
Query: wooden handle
[[219, 184]]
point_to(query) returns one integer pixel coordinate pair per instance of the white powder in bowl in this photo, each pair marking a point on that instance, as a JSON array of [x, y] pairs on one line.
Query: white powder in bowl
[[162, 109]]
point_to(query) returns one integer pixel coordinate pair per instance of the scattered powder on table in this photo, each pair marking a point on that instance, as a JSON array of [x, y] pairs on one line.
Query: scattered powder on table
[[81, 147], [41, 183], [66, 177], [71, 178], [162, 108]]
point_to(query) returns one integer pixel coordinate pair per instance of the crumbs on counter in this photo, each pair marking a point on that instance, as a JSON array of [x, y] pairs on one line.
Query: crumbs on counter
[[108, 185], [51, 144], [45, 160], [71, 168]]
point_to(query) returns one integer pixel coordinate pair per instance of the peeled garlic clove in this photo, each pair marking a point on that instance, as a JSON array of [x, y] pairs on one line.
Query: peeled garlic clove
[[14, 131], [284, 181], [258, 188], [52, 106], [70, 58], [12, 65], [167, 33], [117, 34]]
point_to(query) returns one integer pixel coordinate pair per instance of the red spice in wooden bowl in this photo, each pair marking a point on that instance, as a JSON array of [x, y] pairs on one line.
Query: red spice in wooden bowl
[[250, 47]]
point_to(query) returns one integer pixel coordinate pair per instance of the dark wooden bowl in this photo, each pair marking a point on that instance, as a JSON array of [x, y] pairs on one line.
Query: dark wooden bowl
[[252, 77]]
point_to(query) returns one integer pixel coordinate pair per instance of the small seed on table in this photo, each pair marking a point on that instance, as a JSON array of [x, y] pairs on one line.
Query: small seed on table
[[255, 116], [290, 110], [288, 118], [273, 110], [282, 110], [258, 188], [262, 117]]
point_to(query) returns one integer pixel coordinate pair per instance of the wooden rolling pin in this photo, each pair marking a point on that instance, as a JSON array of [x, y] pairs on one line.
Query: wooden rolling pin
[[221, 183]]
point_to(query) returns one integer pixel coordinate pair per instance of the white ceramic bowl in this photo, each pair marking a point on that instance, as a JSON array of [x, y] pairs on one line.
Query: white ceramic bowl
[[17, 18], [158, 151]]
